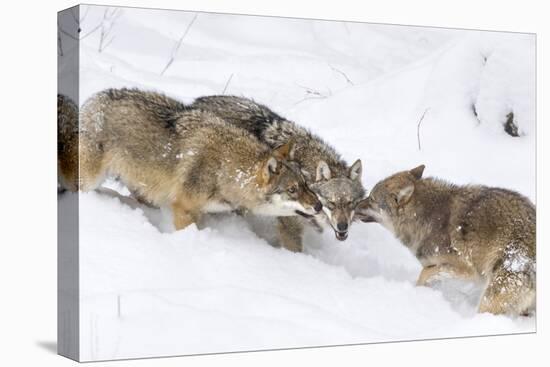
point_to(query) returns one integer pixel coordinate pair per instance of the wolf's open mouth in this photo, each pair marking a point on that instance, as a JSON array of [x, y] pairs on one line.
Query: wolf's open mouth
[[341, 236], [308, 216]]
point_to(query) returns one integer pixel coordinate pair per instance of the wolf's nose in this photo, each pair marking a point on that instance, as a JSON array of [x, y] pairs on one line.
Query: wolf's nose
[[318, 206], [342, 226]]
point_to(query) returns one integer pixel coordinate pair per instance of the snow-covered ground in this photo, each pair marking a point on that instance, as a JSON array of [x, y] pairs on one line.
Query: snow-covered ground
[[149, 291]]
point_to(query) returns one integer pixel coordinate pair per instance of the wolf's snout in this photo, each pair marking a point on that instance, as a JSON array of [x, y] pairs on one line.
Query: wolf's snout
[[341, 236], [342, 226], [317, 207]]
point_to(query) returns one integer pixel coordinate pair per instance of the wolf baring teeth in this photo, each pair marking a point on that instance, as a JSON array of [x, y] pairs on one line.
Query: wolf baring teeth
[[337, 185], [169, 155], [471, 232]]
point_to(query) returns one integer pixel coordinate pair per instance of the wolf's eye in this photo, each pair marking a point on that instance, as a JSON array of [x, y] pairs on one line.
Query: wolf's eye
[[292, 189]]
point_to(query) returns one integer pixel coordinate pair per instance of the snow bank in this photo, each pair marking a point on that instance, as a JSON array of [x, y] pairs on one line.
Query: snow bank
[[508, 84], [148, 293]]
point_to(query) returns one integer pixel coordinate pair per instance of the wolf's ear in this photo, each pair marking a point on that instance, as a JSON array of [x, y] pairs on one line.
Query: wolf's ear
[[306, 174], [271, 167], [323, 171], [355, 170], [285, 151], [417, 171], [404, 195]]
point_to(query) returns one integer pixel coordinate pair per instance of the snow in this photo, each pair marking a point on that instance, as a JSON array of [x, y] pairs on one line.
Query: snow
[[149, 291]]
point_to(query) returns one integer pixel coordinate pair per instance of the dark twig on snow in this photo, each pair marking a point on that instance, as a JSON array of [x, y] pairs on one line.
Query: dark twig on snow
[[78, 21], [119, 313], [418, 128], [110, 17], [313, 94], [83, 17], [178, 44], [68, 34], [227, 83], [75, 18], [91, 31], [346, 27], [341, 73], [59, 41]]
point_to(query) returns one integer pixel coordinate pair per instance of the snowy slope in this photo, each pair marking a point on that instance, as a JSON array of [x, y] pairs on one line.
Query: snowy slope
[[149, 291]]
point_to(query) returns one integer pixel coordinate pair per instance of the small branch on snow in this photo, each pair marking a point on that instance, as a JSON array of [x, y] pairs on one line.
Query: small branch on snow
[[346, 27], [313, 94], [75, 18], [178, 44], [80, 20], [341, 73], [119, 313], [67, 34], [90, 32], [83, 17], [418, 128], [227, 83], [110, 17], [59, 42]]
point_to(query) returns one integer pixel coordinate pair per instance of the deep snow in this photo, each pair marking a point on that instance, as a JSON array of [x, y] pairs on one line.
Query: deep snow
[[149, 291]]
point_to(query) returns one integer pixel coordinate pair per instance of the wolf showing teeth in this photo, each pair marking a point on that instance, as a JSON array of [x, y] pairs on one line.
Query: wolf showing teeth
[[337, 185]]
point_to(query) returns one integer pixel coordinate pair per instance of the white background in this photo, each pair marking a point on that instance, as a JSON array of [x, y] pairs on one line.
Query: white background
[[28, 267]]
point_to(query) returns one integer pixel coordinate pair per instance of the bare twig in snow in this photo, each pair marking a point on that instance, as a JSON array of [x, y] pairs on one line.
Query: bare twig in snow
[[90, 32], [418, 128], [178, 44], [313, 94], [227, 83], [346, 27], [61, 30], [79, 20], [110, 17], [67, 34], [341, 73], [83, 17], [119, 313], [59, 42], [75, 18]]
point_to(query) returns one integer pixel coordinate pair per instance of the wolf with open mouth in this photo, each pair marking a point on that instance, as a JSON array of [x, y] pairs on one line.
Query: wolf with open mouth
[[337, 185]]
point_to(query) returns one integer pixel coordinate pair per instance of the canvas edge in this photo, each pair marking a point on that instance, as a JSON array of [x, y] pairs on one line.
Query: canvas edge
[[68, 312]]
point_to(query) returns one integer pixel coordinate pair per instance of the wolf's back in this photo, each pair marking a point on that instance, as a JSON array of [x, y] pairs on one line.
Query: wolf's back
[[273, 129], [241, 112], [159, 106]]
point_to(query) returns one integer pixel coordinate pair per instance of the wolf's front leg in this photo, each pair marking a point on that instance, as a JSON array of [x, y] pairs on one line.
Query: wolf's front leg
[[290, 232], [185, 212], [434, 272]]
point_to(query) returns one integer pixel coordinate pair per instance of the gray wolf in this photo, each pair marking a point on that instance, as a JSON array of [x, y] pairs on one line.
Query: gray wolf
[[337, 185], [67, 143], [190, 160], [471, 232]]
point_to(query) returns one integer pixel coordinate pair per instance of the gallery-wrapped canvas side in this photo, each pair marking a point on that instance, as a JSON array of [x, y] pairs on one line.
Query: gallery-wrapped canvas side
[[68, 209]]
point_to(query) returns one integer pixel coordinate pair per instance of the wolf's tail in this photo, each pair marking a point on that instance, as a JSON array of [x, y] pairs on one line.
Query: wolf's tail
[[512, 287], [67, 143]]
